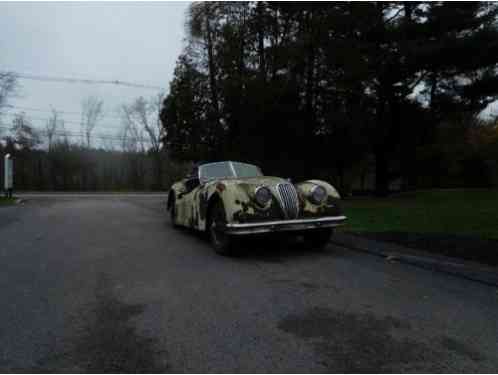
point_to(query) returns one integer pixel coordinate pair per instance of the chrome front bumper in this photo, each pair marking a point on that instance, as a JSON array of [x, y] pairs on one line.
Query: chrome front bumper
[[285, 225]]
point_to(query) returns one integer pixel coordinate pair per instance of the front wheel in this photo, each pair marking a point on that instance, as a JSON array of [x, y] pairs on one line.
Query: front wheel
[[221, 241], [317, 239]]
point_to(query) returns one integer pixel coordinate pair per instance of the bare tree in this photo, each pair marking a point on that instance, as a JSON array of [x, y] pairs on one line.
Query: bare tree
[[8, 83], [23, 133], [133, 145], [108, 143], [144, 114], [132, 135], [142, 124], [142, 118], [122, 135], [91, 113], [53, 127]]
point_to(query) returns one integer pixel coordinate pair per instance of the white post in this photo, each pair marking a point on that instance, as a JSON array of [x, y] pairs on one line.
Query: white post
[[8, 175]]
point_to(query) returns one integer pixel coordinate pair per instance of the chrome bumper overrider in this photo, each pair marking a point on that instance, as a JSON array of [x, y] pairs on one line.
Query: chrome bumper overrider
[[285, 225]]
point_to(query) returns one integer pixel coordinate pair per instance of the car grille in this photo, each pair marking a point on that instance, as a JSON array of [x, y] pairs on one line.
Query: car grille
[[289, 200]]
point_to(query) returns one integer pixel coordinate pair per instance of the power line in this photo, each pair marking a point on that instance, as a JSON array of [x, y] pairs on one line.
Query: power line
[[56, 110], [101, 136], [66, 132], [70, 133], [84, 81], [30, 117]]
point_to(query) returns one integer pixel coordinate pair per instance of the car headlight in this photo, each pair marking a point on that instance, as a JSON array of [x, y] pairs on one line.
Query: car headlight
[[262, 195], [318, 194]]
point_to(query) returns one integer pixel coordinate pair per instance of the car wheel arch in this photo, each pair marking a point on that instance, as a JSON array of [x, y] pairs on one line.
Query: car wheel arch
[[171, 199], [211, 202]]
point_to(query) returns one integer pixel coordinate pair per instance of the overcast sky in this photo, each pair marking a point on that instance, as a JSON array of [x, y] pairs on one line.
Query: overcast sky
[[133, 42]]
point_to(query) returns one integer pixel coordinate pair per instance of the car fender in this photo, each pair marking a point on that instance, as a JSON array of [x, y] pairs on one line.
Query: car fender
[[232, 195], [306, 187], [331, 206], [174, 191]]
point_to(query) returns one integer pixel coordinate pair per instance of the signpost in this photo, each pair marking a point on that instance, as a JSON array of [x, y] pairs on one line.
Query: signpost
[[8, 175]]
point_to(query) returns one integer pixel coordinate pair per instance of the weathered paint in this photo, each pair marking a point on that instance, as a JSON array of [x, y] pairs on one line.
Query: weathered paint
[[250, 212], [238, 200], [330, 207]]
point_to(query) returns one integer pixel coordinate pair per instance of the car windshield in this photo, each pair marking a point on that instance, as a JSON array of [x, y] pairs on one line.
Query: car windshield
[[246, 170], [228, 169]]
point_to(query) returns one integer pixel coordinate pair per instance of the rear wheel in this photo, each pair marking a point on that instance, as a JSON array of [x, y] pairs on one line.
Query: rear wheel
[[221, 241], [173, 212], [317, 239]]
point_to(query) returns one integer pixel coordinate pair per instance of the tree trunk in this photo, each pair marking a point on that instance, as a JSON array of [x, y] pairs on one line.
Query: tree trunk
[[380, 149], [310, 71], [212, 73], [261, 45], [381, 172]]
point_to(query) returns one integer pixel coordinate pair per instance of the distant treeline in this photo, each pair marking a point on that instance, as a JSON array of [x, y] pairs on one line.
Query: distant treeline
[[372, 95], [52, 158], [71, 167]]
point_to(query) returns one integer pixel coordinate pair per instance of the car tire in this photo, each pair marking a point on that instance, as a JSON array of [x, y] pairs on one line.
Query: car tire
[[318, 239], [172, 214], [221, 242]]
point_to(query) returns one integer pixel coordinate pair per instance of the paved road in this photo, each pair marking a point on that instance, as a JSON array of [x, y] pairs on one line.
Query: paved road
[[104, 284]]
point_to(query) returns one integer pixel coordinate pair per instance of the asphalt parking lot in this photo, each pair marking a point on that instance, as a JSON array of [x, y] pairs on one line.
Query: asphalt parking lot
[[102, 283]]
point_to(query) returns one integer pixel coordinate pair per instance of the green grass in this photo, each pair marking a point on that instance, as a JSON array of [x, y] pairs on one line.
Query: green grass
[[459, 211], [5, 201]]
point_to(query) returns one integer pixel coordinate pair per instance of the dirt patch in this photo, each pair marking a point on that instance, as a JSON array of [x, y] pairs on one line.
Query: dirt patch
[[460, 348], [107, 341], [364, 343], [459, 246]]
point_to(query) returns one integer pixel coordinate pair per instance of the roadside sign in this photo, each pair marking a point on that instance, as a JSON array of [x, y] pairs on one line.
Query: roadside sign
[[8, 172]]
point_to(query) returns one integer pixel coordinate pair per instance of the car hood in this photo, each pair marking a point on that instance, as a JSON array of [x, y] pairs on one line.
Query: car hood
[[264, 180]]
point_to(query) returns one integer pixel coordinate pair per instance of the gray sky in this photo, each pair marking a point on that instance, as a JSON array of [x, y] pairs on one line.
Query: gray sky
[[134, 42]]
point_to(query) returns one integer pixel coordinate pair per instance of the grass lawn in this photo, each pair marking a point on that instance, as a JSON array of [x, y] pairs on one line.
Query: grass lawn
[[5, 201], [462, 212]]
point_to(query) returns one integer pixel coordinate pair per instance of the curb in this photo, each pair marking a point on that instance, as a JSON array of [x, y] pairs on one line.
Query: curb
[[468, 270]]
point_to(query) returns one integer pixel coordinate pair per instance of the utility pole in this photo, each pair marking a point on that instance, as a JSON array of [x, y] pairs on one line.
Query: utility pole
[[8, 175]]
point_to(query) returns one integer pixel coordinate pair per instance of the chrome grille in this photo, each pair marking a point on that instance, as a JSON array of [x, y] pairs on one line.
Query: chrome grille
[[289, 200]]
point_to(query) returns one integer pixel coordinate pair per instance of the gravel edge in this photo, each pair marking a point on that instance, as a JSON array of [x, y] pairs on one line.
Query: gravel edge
[[396, 253]]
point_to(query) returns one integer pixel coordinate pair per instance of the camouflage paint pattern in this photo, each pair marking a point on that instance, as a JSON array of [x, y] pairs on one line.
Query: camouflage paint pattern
[[330, 207], [237, 195]]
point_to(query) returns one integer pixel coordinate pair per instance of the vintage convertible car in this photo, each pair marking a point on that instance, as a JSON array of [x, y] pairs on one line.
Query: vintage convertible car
[[229, 199]]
